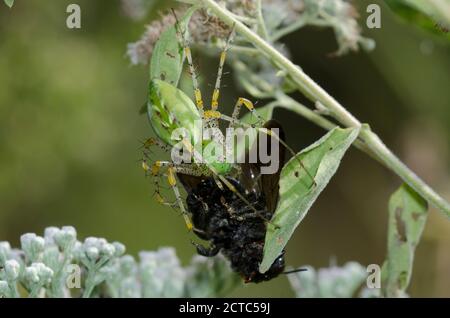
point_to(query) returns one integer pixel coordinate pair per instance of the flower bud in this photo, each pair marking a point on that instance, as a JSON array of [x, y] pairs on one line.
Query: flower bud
[[45, 273], [4, 289], [120, 248], [12, 270], [92, 253], [66, 237], [49, 234], [32, 245], [31, 275], [108, 250], [5, 249]]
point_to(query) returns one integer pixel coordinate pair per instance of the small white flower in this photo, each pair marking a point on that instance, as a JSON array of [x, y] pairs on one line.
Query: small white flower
[[4, 288], [5, 249], [108, 250], [90, 242], [127, 265], [12, 270], [78, 251], [92, 253], [31, 275], [120, 248], [66, 237], [26, 239], [32, 245], [70, 231], [44, 273], [49, 234]]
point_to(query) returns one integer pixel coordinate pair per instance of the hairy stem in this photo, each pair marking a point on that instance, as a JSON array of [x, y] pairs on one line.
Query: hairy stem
[[261, 22], [287, 102], [301, 22], [235, 49], [317, 94]]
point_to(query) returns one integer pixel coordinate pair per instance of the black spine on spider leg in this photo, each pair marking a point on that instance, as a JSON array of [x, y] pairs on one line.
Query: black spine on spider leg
[[232, 226]]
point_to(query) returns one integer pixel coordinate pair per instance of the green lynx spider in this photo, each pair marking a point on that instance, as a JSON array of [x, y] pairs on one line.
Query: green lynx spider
[[170, 108]]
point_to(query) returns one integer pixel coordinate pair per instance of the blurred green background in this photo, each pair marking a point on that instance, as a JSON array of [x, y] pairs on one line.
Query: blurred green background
[[70, 135]]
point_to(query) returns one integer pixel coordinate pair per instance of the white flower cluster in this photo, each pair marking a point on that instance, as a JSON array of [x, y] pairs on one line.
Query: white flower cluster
[[58, 265], [331, 282]]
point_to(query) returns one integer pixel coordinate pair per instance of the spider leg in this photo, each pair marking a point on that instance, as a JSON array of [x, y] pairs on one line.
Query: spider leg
[[208, 117], [147, 145], [181, 34], [234, 121], [172, 169], [216, 93], [212, 116], [237, 109], [208, 170]]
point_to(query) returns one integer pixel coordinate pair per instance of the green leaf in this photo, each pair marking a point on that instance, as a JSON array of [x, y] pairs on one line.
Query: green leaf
[[9, 3], [422, 14], [297, 191], [167, 58], [407, 218]]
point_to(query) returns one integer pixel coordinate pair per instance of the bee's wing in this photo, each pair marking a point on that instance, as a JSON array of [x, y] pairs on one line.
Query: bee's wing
[[251, 172], [189, 182]]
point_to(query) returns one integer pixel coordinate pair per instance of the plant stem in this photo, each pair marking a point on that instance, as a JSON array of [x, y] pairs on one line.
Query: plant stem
[[317, 94], [303, 80], [287, 102], [13, 289], [261, 23], [301, 22], [234, 49], [89, 284], [395, 164]]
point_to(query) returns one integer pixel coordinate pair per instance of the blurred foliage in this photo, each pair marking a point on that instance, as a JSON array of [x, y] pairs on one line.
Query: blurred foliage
[[9, 3], [70, 135], [433, 15], [331, 282]]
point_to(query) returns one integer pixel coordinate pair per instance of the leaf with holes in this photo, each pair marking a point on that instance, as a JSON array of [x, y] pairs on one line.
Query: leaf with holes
[[424, 14], [407, 217], [297, 189], [167, 58]]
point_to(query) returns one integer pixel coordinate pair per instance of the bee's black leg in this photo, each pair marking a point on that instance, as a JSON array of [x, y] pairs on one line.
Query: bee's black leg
[[206, 251]]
